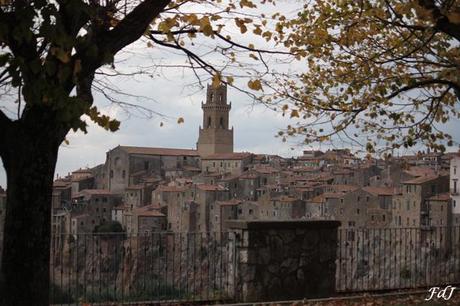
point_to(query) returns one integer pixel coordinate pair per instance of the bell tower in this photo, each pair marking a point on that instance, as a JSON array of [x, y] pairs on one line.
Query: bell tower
[[215, 136]]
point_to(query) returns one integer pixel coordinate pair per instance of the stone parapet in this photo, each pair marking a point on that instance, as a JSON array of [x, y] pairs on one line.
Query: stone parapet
[[282, 260]]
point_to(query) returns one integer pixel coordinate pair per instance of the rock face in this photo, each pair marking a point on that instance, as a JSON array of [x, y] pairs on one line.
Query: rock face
[[285, 260], [161, 266]]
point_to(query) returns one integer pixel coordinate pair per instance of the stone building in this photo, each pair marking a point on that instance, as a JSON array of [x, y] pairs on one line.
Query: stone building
[[439, 210], [233, 163], [455, 187], [215, 136], [124, 162], [147, 220], [96, 204], [408, 207]]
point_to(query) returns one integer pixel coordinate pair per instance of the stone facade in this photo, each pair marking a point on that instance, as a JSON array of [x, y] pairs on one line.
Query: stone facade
[[409, 207], [215, 135], [285, 260], [454, 184]]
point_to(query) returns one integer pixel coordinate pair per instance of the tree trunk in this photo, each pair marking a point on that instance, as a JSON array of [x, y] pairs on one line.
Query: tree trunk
[[29, 162]]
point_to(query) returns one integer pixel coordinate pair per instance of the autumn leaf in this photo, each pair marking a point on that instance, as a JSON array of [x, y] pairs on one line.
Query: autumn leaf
[[180, 120], [255, 85], [295, 113], [216, 80]]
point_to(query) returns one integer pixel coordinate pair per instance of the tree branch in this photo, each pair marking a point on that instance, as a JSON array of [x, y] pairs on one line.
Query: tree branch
[[132, 26], [442, 22]]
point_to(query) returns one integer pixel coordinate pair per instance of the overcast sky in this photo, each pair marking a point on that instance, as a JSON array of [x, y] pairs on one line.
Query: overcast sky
[[168, 91]]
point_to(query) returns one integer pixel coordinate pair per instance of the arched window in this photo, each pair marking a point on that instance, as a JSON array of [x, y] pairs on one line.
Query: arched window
[[209, 122], [221, 122]]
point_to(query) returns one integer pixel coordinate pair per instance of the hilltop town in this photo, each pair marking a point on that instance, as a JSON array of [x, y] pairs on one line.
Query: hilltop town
[[142, 190]]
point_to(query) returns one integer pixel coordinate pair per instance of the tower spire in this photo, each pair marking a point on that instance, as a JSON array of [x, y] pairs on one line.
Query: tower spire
[[215, 135]]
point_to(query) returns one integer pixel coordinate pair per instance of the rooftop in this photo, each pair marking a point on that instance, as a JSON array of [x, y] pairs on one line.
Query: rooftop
[[379, 191], [228, 156], [159, 151]]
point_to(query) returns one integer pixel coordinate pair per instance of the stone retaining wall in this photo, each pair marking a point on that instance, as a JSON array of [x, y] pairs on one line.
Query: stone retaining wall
[[284, 260]]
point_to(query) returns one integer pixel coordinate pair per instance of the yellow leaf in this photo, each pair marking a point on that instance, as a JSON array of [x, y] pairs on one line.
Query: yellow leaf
[[216, 80], [205, 26], [255, 85], [230, 80], [295, 113], [180, 120]]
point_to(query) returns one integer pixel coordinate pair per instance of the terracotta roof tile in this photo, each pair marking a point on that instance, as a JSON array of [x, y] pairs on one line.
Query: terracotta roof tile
[[148, 211], [208, 187], [384, 191], [422, 179], [231, 202], [228, 156], [159, 151], [440, 197]]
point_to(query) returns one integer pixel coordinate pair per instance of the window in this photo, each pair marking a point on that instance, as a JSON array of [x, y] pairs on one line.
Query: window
[[221, 122], [146, 165], [123, 174], [372, 217], [455, 170], [383, 218], [251, 211], [104, 200], [209, 122], [357, 211], [367, 199], [111, 173]]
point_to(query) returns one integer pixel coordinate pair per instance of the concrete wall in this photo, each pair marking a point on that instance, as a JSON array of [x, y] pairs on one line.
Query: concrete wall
[[284, 260]]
